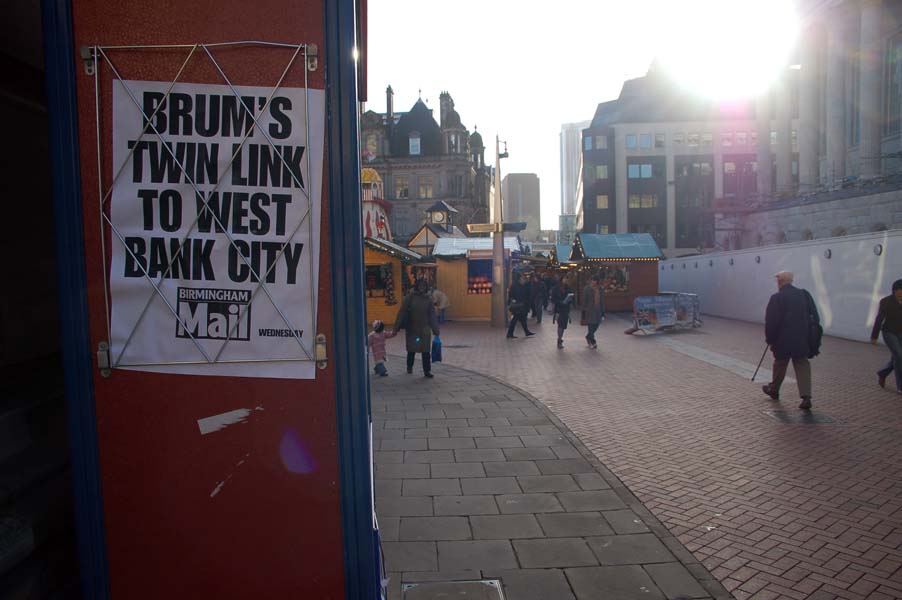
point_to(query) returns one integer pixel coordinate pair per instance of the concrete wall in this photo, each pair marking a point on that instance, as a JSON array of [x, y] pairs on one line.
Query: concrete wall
[[846, 287], [856, 215]]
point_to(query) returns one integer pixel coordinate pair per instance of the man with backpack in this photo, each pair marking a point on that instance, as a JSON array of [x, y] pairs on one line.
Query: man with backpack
[[792, 331]]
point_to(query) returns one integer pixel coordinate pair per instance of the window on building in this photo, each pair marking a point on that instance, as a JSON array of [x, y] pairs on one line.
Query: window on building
[[645, 141], [705, 168], [402, 186], [634, 201], [587, 143], [707, 140], [794, 139], [753, 138], [649, 201], [601, 171], [893, 102], [603, 229], [659, 140], [773, 138], [413, 145], [729, 167], [631, 142], [726, 139], [425, 183], [742, 138], [601, 142], [853, 123], [678, 139], [646, 171], [376, 279], [456, 185], [692, 140], [601, 201], [589, 174], [452, 143], [632, 171]]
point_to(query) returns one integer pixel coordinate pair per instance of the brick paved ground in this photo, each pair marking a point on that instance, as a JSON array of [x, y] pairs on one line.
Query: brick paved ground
[[475, 480], [774, 508]]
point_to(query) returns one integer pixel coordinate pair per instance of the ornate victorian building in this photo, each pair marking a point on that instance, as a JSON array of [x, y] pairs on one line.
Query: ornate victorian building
[[422, 161]]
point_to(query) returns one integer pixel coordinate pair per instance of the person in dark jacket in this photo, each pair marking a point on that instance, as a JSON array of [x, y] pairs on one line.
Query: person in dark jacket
[[561, 301], [786, 327], [417, 317], [593, 308], [537, 295], [518, 304], [889, 322]]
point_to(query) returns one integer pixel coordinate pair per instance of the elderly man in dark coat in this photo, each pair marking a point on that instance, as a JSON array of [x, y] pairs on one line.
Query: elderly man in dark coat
[[786, 328], [417, 317]]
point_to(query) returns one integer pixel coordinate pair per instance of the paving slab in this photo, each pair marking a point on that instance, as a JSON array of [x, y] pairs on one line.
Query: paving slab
[[465, 505], [675, 581], [505, 527], [641, 548], [561, 552], [414, 529], [534, 584], [528, 503], [574, 524], [548, 483], [624, 583], [430, 487], [478, 554], [490, 485]]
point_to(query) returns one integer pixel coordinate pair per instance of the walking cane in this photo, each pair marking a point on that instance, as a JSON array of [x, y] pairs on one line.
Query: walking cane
[[760, 361]]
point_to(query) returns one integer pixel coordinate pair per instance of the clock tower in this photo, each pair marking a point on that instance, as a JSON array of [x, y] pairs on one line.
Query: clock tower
[[441, 214]]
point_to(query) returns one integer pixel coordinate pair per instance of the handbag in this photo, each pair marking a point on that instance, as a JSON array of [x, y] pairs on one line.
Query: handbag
[[436, 349]]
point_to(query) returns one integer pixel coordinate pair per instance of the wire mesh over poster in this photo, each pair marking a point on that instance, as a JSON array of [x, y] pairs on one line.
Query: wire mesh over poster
[[211, 214]]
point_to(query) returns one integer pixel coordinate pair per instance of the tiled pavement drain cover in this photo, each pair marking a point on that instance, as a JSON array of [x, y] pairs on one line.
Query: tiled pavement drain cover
[[802, 417], [486, 589]]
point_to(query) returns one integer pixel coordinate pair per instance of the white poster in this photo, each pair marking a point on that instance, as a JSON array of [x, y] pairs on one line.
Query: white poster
[[222, 215]]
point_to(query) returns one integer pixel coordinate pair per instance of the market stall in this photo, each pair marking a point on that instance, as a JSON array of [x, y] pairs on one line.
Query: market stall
[[627, 263], [464, 273], [385, 263]]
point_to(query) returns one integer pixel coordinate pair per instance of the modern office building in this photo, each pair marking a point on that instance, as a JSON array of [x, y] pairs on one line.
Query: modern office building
[[521, 202], [655, 159], [571, 158], [422, 161]]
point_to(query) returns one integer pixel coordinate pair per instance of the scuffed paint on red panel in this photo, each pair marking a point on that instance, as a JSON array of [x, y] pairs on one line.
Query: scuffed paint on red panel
[[250, 510]]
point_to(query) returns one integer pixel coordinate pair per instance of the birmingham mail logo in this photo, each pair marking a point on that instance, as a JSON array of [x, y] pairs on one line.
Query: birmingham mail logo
[[212, 314]]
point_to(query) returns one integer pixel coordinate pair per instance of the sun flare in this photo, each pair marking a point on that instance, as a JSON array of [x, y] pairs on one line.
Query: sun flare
[[726, 49]]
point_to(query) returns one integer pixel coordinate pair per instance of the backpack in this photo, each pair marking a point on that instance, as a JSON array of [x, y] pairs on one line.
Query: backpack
[[815, 331]]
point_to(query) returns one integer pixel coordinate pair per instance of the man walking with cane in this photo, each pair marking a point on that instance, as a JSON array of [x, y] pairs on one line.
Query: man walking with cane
[[788, 320]]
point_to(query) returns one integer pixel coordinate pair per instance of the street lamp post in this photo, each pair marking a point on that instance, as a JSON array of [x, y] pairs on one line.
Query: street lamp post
[[499, 309]]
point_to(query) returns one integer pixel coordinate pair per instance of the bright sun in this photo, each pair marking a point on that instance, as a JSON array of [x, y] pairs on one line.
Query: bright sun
[[726, 49]]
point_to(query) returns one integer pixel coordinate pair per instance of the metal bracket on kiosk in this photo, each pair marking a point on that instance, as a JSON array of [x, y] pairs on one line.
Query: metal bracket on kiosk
[[312, 57], [319, 351], [87, 57], [103, 359]]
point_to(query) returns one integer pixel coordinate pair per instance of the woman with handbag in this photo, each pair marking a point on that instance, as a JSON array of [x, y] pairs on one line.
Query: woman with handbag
[[417, 317], [518, 304]]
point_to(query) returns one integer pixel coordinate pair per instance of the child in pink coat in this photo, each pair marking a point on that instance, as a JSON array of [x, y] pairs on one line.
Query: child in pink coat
[[376, 343]]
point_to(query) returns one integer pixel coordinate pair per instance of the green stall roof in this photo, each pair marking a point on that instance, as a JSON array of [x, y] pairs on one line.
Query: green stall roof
[[615, 246]]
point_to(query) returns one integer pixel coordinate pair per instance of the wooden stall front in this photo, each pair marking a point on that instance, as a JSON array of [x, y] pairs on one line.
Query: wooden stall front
[[468, 283], [384, 263], [627, 263]]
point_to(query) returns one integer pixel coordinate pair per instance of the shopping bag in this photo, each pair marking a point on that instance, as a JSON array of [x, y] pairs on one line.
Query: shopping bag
[[436, 349]]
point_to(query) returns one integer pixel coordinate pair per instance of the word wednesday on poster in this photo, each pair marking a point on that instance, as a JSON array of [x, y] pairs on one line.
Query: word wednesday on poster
[[217, 198]]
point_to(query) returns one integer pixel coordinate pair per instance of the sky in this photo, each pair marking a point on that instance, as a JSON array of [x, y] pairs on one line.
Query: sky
[[520, 70]]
